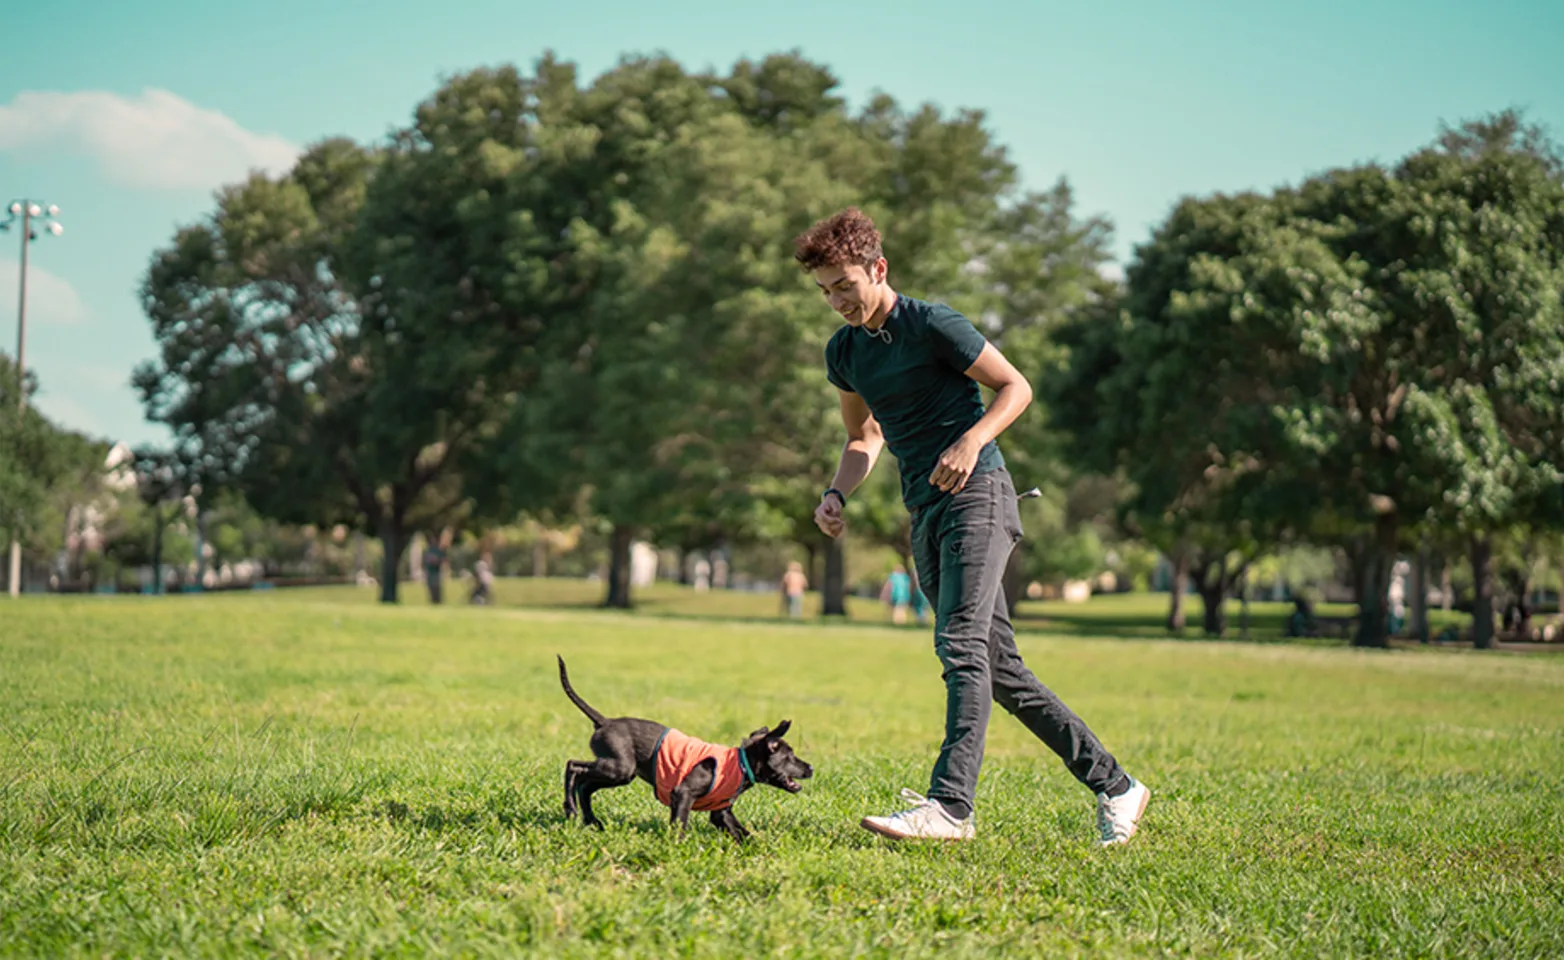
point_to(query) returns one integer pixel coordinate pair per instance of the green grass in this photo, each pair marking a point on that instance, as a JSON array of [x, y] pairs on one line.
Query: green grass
[[1120, 615], [306, 773]]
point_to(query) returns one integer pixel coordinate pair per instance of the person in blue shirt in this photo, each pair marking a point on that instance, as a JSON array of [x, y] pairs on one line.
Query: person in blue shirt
[[908, 374], [920, 603], [898, 594]]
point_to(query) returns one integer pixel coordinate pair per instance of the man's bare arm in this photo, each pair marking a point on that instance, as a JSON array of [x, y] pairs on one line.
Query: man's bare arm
[[864, 443], [1012, 395]]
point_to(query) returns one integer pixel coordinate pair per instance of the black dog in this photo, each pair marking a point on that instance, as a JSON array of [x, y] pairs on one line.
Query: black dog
[[686, 774]]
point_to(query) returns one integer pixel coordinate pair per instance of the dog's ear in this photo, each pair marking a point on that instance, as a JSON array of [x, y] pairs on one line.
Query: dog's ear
[[754, 738], [780, 730]]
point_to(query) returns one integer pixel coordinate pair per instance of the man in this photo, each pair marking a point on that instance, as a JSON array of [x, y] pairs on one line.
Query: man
[[483, 579], [898, 594], [908, 373], [434, 565], [794, 583]]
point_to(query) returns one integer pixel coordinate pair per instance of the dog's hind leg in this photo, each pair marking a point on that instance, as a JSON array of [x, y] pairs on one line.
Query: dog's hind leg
[[606, 773], [573, 771]]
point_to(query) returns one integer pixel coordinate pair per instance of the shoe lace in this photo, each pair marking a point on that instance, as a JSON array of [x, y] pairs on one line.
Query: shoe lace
[[1105, 814], [918, 801]]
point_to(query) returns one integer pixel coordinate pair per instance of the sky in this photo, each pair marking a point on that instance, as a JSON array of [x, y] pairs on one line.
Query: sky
[[130, 116]]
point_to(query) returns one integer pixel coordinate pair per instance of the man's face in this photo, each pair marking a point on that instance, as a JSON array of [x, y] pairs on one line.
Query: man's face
[[853, 291]]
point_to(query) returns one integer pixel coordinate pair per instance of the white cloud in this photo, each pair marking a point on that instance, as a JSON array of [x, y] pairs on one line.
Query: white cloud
[[1112, 270], [49, 299], [157, 140]]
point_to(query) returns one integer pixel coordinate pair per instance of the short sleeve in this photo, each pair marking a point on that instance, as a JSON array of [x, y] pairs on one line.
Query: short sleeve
[[953, 337], [833, 365]]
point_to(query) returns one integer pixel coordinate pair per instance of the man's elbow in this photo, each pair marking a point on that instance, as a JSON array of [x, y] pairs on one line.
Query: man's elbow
[[1023, 392], [872, 441], [868, 437]]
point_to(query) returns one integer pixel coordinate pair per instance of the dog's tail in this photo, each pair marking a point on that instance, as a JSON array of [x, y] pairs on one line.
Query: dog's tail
[[564, 679]]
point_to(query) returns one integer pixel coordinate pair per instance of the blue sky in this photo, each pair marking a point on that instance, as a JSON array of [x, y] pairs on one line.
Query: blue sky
[[129, 115]]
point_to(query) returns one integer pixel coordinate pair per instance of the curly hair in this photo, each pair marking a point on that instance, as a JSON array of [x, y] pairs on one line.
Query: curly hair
[[845, 239]]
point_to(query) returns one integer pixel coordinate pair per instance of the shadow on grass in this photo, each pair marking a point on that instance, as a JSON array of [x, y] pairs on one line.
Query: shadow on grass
[[1127, 626], [1133, 616], [443, 818], [1262, 628]]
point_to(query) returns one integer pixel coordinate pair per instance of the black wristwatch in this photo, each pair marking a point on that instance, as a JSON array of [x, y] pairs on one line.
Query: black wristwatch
[[839, 495]]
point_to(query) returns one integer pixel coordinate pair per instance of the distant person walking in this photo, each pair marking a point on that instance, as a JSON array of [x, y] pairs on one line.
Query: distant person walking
[[483, 580], [794, 583], [434, 563], [920, 602], [897, 594]]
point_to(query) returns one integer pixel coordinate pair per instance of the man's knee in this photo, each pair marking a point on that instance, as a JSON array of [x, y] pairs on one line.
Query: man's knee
[[1019, 700], [962, 648]]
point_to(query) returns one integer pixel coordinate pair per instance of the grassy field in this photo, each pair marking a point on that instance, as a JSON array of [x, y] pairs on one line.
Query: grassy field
[[1122, 615], [306, 773]]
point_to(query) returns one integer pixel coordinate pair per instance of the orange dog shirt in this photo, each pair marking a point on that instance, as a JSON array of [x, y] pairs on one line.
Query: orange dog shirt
[[677, 755]]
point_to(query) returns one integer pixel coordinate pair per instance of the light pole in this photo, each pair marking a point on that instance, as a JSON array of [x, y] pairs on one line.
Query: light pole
[[27, 211]]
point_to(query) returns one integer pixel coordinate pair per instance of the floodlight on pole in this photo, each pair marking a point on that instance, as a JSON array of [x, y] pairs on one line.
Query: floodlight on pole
[[27, 211]]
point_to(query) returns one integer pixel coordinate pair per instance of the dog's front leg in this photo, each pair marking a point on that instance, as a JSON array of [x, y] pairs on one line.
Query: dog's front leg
[[725, 820], [696, 784]]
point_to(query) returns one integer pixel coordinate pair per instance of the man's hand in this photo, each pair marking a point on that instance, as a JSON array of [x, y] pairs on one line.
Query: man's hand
[[955, 465], [828, 516]]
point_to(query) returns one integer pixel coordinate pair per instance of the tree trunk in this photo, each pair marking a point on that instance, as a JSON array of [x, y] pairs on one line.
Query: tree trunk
[[1445, 600], [1180, 584], [1482, 589], [619, 567], [1524, 611], [540, 557], [1212, 596], [1243, 615], [812, 565], [393, 544], [1358, 561], [200, 550], [685, 579], [1374, 585], [157, 552], [1420, 595], [834, 588], [65, 544]]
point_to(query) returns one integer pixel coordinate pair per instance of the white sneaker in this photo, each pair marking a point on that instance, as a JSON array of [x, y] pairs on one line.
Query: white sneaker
[[1118, 817], [927, 820]]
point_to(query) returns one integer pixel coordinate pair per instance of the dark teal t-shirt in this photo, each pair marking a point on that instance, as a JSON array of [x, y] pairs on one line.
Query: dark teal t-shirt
[[916, 386]]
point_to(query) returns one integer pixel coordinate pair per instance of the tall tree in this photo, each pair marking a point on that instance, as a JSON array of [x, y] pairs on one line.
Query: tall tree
[[676, 304], [321, 400], [1479, 277], [1170, 389], [1367, 352], [37, 459]]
